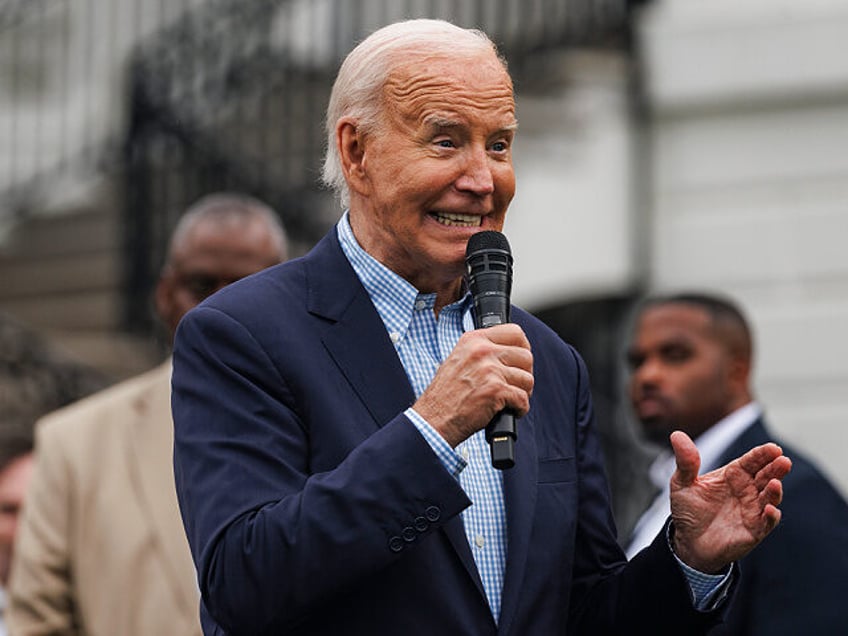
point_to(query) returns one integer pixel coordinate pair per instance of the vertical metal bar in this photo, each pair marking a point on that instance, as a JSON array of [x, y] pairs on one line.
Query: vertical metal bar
[[88, 77], [64, 89], [14, 146], [37, 84]]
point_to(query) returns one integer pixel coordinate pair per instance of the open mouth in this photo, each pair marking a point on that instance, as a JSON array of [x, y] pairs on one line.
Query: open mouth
[[458, 220]]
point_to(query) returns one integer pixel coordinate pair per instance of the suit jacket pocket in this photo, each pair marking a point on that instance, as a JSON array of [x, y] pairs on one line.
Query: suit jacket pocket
[[555, 471]]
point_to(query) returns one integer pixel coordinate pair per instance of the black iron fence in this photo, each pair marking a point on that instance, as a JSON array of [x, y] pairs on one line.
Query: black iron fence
[[175, 99], [172, 99]]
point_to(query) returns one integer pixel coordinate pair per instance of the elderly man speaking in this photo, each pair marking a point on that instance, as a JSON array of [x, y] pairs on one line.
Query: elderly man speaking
[[331, 462]]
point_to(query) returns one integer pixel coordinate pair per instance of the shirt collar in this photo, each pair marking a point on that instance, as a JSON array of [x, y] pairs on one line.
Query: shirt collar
[[711, 443], [394, 297]]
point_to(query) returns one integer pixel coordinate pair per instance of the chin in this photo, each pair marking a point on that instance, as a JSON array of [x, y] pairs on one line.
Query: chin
[[656, 432]]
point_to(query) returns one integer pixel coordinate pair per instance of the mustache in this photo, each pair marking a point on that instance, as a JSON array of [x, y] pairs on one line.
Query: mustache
[[650, 393]]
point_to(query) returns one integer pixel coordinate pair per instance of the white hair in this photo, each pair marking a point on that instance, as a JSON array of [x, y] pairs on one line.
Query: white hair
[[357, 91]]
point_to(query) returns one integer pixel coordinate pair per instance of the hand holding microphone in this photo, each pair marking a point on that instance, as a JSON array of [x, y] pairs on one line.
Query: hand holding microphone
[[489, 370], [489, 274]]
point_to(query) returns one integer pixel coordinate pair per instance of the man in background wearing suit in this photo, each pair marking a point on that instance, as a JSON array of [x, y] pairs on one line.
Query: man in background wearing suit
[[330, 457], [102, 551], [691, 363]]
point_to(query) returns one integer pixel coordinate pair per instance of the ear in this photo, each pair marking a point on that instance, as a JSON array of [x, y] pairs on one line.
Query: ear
[[740, 372], [351, 144]]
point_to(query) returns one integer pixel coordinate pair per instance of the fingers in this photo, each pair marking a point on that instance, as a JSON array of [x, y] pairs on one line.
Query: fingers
[[489, 370], [507, 334], [759, 457], [771, 516], [774, 470], [687, 457], [503, 350], [772, 494], [505, 366]]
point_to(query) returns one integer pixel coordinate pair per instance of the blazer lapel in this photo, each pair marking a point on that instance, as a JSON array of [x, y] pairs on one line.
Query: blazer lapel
[[354, 334], [356, 339], [150, 452], [519, 483]]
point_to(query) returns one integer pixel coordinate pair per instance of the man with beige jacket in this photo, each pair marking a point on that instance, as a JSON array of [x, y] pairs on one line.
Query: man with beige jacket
[[101, 548]]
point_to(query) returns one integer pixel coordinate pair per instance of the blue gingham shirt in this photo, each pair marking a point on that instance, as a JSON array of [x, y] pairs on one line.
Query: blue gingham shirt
[[422, 341]]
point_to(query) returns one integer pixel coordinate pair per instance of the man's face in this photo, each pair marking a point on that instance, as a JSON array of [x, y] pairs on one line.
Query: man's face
[[212, 255], [439, 170], [681, 374], [14, 479]]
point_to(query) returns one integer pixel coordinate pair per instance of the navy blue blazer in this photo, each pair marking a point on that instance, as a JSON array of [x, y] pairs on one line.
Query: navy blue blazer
[[314, 506], [794, 582]]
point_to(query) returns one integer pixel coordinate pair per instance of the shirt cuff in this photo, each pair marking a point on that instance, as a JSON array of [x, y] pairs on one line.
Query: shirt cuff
[[451, 460], [708, 590]]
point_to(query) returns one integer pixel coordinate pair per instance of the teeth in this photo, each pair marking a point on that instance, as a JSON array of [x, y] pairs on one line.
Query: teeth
[[459, 220]]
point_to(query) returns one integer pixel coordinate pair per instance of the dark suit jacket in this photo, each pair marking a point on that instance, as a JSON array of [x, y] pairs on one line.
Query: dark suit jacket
[[794, 582], [314, 506]]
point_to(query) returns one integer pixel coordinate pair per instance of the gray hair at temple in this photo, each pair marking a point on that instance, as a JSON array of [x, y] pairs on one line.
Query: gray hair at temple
[[228, 208], [357, 91]]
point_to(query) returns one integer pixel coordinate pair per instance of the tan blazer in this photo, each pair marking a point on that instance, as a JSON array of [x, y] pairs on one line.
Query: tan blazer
[[101, 549]]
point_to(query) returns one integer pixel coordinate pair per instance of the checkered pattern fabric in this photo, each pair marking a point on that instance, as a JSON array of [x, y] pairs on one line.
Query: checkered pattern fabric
[[422, 341]]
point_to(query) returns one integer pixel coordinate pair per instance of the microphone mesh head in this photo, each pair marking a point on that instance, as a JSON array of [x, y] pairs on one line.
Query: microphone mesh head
[[487, 240]]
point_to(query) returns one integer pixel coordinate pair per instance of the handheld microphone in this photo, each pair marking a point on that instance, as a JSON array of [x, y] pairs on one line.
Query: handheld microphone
[[488, 263]]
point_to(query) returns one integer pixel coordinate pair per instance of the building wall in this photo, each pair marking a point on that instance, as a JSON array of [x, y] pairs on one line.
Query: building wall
[[749, 190], [572, 222]]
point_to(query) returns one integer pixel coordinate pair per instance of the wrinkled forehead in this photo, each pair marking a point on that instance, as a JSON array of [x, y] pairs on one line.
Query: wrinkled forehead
[[476, 81]]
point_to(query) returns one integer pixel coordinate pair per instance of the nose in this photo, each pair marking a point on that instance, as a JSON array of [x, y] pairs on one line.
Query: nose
[[477, 176], [648, 373]]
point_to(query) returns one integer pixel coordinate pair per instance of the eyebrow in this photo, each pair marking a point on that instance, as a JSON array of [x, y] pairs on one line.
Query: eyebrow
[[435, 122]]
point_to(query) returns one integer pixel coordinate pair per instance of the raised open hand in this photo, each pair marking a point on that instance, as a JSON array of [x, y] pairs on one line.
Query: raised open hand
[[722, 515]]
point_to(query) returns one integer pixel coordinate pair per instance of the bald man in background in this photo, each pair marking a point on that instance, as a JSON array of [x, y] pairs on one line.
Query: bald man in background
[[101, 548]]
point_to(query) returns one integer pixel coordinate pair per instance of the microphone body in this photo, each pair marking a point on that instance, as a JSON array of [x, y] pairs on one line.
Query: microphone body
[[488, 262]]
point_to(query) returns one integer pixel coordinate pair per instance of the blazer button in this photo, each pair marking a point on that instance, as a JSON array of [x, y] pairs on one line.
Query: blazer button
[[433, 514], [420, 524], [408, 534], [395, 544]]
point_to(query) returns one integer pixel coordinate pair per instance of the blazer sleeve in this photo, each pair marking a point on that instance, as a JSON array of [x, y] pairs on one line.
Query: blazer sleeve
[[40, 590], [649, 594], [255, 510]]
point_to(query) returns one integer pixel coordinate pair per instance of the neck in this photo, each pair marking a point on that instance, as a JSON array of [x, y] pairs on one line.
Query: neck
[[449, 294]]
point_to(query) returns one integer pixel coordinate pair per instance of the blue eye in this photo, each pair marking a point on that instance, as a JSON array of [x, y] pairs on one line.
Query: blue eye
[[500, 146], [445, 143]]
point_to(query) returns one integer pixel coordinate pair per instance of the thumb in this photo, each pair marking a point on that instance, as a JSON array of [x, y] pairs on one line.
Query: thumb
[[687, 457]]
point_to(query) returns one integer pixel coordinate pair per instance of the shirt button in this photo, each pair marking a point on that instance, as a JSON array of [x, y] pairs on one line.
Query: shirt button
[[479, 541], [465, 453], [395, 337], [420, 304]]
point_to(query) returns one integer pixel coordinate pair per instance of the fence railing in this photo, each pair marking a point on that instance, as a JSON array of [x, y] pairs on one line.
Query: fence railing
[[182, 97]]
